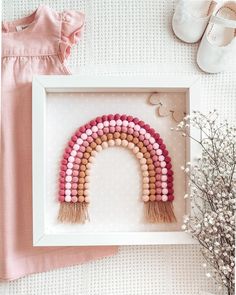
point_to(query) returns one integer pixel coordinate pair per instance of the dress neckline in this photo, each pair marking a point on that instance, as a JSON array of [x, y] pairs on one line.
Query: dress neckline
[[30, 21]]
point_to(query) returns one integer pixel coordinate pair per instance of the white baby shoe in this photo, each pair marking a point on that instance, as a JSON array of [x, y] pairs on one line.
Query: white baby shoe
[[219, 41], [191, 18]]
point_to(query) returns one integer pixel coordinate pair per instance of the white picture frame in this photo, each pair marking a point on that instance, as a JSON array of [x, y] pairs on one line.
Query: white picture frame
[[42, 85]]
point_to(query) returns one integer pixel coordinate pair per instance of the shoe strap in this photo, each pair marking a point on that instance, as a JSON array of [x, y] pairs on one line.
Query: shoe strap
[[223, 21]]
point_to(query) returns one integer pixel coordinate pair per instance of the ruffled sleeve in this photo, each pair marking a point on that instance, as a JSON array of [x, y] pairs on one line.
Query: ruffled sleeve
[[72, 23]]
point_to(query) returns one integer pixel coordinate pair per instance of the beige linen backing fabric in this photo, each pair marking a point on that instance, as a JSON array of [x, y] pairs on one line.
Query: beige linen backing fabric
[[119, 33]]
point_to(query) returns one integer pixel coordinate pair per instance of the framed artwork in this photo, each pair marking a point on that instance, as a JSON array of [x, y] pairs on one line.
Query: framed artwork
[[106, 162]]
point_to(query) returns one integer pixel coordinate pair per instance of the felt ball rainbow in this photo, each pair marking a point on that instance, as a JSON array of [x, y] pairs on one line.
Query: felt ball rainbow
[[108, 131]]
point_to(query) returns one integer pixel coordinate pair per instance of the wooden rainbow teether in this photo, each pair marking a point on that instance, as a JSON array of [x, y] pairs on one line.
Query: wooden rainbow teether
[[116, 130]]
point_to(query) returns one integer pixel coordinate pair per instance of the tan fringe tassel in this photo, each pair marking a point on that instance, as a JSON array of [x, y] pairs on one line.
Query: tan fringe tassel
[[73, 212], [159, 212]]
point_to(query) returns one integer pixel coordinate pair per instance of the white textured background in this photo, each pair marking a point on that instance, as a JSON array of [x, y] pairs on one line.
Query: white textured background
[[123, 35]]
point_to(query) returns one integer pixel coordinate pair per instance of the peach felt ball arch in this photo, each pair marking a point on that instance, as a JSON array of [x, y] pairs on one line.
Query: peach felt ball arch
[[116, 130]]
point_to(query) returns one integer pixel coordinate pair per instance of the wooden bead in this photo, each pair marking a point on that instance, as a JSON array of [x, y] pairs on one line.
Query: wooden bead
[[86, 192], [94, 153], [84, 161], [88, 166], [152, 198], [87, 172], [145, 173], [149, 161], [109, 136], [87, 179], [93, 145], [139, 155], [145, 185], [123, 136], [81, 180], [144, 150], [152, 179], [111, 142], [143, 161], [152, 191], [145, 180], [152, 185], [89, 149], [87, 200], [151, 167], [118, 141], [104, 138], [99, 148], [86, 185], [145, 198], [124, 143], [80, 192], [117, 135], [82, 174], [98, 140], [152, 173], [130, 145], [144, 167], [130, 137], [146, 192], [81, 199], [80, 186], [83, 167], [104, 145], [91, 160], [147, 155], [135, 140], [140, 144], [135, 150]]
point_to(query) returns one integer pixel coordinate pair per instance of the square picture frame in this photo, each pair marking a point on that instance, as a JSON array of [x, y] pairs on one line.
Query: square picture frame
[[42, 87]]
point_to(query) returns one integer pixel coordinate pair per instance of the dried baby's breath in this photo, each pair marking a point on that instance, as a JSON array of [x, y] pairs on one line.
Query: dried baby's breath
[[213, 188]]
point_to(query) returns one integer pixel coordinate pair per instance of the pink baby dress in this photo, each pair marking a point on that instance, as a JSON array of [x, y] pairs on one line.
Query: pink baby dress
[[36, 44]]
